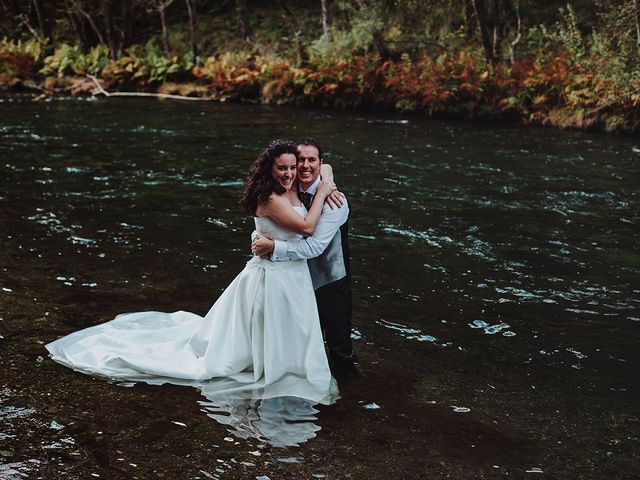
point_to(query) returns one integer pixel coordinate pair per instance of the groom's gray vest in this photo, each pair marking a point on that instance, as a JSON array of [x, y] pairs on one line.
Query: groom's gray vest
[[333, 263]]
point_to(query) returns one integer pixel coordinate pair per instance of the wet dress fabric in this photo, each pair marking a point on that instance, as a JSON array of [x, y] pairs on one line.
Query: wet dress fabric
[[262, 334]]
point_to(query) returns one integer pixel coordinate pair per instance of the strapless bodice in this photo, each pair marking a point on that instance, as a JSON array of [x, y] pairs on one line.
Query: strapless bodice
[[266, 226]]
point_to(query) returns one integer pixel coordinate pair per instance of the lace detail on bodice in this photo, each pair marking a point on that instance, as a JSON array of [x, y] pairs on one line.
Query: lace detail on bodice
[[265, 225]]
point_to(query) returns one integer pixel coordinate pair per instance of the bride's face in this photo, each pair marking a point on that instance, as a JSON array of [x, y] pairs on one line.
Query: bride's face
[[284, 170]]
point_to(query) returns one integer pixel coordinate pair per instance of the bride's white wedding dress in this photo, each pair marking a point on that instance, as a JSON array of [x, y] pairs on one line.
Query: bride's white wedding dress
[[262, 334]]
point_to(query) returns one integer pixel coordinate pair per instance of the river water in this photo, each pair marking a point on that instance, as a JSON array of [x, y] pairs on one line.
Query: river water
[[496, 293]]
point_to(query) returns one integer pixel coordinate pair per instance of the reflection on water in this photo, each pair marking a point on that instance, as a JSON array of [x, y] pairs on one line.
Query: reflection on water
[[279, 421], [281, 414], [271, 414]]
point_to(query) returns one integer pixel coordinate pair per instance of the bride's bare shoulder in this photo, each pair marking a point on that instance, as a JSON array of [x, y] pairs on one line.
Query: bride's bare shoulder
[[274, 201]]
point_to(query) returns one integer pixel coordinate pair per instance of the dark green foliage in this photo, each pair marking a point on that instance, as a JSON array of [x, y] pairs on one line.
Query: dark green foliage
[[573, 64]]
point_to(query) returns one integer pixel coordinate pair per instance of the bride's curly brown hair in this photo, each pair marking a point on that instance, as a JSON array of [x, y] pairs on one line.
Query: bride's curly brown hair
[[260, 183]]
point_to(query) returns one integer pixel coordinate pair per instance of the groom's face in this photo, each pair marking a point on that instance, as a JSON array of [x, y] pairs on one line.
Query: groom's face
[[308, 165]]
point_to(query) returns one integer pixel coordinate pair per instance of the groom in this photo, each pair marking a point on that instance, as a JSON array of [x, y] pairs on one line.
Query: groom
[[327, 254]]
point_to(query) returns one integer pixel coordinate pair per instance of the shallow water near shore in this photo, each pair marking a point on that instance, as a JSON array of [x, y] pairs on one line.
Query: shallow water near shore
[[496, 294]]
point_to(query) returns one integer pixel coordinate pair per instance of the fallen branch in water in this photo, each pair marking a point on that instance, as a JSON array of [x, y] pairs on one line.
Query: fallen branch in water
[[142, 94]]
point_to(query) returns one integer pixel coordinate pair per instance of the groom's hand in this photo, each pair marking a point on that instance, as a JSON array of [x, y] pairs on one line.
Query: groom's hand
[[335, 199], [262, 246]]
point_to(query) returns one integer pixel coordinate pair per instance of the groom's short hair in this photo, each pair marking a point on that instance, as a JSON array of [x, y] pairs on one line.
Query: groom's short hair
[[310, 142]]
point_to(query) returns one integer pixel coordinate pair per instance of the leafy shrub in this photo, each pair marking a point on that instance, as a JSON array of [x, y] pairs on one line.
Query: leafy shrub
[[20, 58], [356, 39], [69, 60], [340, 45], [233, 73], [567, 33], [278, 80], [145, 65]]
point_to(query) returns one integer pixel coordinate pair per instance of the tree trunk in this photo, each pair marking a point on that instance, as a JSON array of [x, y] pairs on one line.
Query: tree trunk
[[516, 41], [44, 25], [470, 24], [192, 30], [497, 27], [636, 16], [325, 17], [93, 25], [483, 30], [127, 24], [162, 6], [107, 15], [243, 26], [165, 33], [78, 27], [381, 47]]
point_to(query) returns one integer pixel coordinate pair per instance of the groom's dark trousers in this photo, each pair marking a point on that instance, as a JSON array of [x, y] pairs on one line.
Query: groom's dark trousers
[[334, 299]]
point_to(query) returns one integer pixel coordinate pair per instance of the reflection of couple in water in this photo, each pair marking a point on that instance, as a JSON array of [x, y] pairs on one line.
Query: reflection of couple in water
[[262, 339]]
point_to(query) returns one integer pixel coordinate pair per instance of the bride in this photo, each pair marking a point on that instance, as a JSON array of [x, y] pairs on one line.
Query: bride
[[263, 331]]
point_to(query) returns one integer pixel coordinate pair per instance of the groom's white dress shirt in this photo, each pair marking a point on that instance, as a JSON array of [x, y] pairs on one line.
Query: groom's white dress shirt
[[330, 222]]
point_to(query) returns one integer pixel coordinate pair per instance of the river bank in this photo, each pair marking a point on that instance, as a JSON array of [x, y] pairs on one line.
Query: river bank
[[549, 90], [563, 65]]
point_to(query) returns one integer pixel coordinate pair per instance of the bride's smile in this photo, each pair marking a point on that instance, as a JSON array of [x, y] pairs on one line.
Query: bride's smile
[[284, 170]]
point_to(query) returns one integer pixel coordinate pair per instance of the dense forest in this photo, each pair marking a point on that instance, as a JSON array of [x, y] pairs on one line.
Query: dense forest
[[571, 65]]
